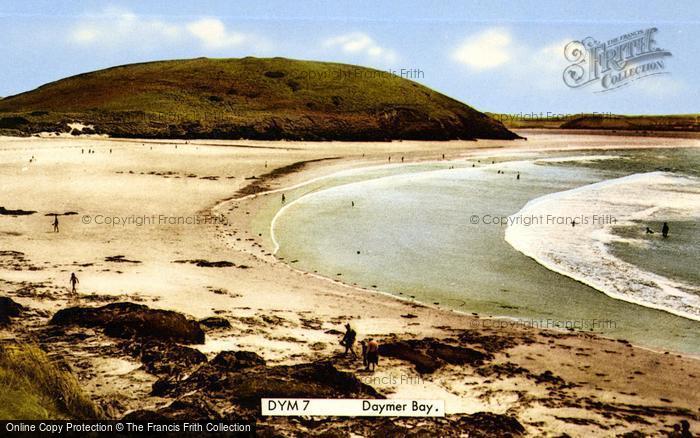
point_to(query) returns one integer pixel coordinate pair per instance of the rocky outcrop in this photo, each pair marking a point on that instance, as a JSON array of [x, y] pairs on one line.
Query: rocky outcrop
[[237, 360], [9, 309], [215, 322], [133, 321], [165, 358], [430, 354], [242, 379]]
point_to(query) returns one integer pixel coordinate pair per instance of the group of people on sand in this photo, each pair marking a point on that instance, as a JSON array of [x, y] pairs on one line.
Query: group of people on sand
[[370, 348], [681, 430], [664, 230]]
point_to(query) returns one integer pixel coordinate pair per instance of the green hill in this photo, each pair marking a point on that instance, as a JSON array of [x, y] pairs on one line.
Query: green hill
[[253, 98], [603, 122]]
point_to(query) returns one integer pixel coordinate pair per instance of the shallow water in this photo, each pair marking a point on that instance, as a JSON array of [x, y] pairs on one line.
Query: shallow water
[[438, 235]]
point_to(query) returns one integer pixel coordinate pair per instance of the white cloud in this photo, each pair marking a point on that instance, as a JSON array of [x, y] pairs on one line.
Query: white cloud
[[485, 50], [495, 49], [212, 33], [542, 67], [358, 43], [117, 28]]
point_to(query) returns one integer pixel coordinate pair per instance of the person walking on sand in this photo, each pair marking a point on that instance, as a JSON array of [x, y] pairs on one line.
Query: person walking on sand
[[55, 223], [349, 340], [73, 282], [664, 230], [518, 177], [372, 354], [284, 199]]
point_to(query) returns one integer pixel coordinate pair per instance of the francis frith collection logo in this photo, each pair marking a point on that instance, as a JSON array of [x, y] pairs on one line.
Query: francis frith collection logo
[[615, 63]]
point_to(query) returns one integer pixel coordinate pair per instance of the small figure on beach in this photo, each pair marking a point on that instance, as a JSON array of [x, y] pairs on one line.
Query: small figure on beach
[[110, 150], [372, 354], [390, 158], [349, 339], [681, 430], [685, 429], [55, 223], [664, 230], [73, 282], [518, 176], [402, 159], [352, 203], [363, 344], [649, 231], [443, 156], [284, 199], [82, 151]]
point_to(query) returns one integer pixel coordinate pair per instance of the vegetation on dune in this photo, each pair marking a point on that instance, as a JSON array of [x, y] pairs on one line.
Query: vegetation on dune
[[35, 388], [273, 98]]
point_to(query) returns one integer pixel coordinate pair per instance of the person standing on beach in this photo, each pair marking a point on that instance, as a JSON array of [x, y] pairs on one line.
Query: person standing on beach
[[55, 223], [372, 354], [284, 199], [364, 354], [73, 282], [664, 230], [349, 339]]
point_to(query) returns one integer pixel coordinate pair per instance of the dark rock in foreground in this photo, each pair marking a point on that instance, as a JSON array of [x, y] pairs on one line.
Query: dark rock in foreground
[[129, 320], [165, 358], [9, 309], [232, 361], [240, 379], [430, 354], [214, 322]]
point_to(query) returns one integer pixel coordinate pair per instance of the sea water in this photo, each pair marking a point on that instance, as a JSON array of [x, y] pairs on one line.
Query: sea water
[[471, 236]]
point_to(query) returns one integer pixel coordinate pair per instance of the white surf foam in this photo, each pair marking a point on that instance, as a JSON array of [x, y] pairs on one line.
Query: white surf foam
[[581, 252]]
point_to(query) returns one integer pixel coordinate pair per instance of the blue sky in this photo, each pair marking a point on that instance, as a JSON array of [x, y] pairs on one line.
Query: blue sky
[[494, 55]]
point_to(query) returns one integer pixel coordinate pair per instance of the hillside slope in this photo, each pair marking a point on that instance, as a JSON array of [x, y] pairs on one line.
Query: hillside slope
[[255, 98]]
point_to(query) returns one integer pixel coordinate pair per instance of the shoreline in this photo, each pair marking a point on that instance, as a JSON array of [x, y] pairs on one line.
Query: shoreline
[[494, 154]]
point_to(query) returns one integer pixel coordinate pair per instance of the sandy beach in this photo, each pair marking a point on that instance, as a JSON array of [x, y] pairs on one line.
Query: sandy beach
[[152, 217]]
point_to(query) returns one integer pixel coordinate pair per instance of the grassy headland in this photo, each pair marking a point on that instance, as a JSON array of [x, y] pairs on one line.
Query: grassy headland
[[254, 98]]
